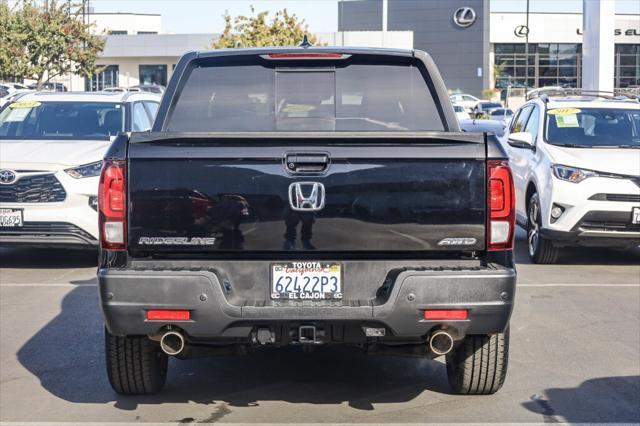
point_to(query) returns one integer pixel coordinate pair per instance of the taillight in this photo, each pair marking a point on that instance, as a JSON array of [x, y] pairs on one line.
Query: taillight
[[112, 203], [500, 205]]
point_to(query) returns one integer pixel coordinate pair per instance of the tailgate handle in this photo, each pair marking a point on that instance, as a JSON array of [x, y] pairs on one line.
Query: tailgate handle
[[307, 163]]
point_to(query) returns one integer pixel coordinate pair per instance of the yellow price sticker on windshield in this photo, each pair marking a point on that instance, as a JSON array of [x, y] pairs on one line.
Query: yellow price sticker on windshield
[[25, 104], [298, 108], [564, 111]]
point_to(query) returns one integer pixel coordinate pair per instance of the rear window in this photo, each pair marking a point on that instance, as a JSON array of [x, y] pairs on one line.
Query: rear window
[[61, 120], [356, 97], [593, 127]]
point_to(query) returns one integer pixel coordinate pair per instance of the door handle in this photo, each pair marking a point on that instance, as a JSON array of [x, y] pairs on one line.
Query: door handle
[[307, 163]]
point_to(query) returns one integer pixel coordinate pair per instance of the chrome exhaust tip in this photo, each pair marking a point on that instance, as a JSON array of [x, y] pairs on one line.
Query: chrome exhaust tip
[[441, 342], [172, 343]]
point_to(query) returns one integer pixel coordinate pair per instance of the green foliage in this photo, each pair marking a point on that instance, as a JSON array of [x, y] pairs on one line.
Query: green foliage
[[488, 94], [255, 31], [497, 71], [38, 42]]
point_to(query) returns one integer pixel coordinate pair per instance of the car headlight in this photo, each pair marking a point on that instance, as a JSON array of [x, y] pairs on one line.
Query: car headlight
[[86, 170], [572, 174]]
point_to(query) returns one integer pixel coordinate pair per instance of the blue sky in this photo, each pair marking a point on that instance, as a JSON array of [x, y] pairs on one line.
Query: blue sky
[[205, 16]]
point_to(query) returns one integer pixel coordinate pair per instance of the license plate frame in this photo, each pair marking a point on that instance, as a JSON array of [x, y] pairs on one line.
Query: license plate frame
[[635, 216], [295, 290], [6, 213]]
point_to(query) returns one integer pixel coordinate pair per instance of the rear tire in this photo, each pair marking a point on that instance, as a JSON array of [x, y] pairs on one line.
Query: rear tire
[[135, 365], [541, 250], [478, 364]]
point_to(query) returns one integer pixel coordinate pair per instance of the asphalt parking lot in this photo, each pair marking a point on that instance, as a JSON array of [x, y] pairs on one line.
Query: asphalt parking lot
[[575, 357]]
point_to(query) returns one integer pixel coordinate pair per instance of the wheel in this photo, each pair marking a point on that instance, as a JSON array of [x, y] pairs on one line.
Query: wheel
[[478, 364], [135, 365], [541, 250]]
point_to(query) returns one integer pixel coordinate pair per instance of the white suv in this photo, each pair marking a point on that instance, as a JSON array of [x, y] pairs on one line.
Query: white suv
[[576, 167], [51, 150]]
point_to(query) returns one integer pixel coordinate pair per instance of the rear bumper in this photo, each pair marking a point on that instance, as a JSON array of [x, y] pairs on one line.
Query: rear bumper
[[126, 295]]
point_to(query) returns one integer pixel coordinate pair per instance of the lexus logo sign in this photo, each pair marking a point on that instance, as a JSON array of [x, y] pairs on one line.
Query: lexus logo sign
[[464, 17], [521, 31]]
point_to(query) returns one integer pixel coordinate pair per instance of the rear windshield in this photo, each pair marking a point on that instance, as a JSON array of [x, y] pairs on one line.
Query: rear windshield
[[593, 127], [61, 120], [356, 97]]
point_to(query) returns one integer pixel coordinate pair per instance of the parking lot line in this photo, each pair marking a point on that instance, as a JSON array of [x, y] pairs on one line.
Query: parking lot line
[[578, 285], [46, 285], [519, 285]]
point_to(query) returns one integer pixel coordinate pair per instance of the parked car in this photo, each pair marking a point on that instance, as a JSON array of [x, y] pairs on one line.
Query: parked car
[[468, 102], [484, 126], [334, 203], [12, 86], [483, 108], [4, 92], [501, 114], [13, 96], [576, 163], [461, 114], [151, 88], [52, 146], [49, 87]]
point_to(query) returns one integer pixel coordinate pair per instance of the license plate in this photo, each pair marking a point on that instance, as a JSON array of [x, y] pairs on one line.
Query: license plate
[[635, 215], [10, 218], [306, 281]]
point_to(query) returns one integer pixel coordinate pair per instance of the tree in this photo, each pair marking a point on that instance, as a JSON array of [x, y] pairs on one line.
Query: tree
[[254, 31], [10, 47], [48, 41]]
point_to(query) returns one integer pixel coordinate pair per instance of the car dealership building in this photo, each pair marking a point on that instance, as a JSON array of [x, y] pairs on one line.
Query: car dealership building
[[470, 44], [474, 48]]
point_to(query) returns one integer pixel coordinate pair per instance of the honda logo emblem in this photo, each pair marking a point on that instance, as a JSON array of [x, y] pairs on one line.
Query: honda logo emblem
[[464, 17], [306, 196]]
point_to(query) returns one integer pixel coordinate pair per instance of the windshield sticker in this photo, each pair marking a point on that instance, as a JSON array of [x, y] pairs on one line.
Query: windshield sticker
[[569, 120], [564, 111], [298, 108], [20, 105], [17, 115]]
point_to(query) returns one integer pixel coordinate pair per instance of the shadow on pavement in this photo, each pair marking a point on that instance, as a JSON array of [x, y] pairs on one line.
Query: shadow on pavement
[[67, 357], [579, 255], [605, 399], [43, 258]]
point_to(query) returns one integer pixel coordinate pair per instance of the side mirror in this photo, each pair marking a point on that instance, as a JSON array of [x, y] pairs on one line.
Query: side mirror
[[521, 140]]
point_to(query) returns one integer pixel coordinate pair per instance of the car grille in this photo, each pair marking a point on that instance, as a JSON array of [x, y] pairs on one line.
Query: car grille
[[49, 228], [629, 198], [33, 189], [607, 222]]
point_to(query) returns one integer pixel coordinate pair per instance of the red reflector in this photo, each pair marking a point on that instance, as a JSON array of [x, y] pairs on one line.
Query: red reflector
[[306, 55], [167, 315], [446, 314]]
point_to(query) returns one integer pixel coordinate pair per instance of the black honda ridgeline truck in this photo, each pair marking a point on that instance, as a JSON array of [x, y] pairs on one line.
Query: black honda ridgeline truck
[[306, 196]]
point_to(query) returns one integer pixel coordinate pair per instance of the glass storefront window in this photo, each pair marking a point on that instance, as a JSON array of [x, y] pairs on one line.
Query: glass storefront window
[[547, 64], [153, 74], [627, 68], [108, 77]]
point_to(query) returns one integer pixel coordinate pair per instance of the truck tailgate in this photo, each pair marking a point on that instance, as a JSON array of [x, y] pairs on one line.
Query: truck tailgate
[[277, 193]]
